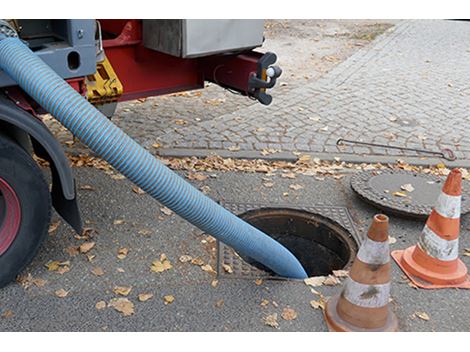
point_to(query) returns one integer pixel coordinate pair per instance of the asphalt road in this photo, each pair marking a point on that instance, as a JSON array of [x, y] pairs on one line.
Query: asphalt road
[[234, 304]]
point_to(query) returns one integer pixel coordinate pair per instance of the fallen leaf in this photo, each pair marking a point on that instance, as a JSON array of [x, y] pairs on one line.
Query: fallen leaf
[[100, 305], [407, 187], [61, 293], [296, 187], [233, 148], [392, 240], [466, 252], [214, 283], [53, 227], [7, 314], [264, 303], [197, 261], [166, 211], [118, 221], [320, 304], [288, 314], [98, 271], [227, 268], [315, 281], [143, 297], [86, 247], [156, 145], [258, 282], [144, 232], [207, 268], [181, 122], [159, 266], [196, 176], [39, 282], [168, 299], [52, 265], [290, 175], [87, 188], [422, 315], [122, 253], [122, 305], [185, 258], [72, 251], [399, 194], [122, 290], [268, 184], [271, 320], [331, 281], [138, 190], [219, 303], [341, 273]]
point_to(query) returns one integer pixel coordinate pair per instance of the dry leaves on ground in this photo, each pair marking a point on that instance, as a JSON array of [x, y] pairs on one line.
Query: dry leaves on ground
[[57, 266], [7, 314], [271, 320], [168, 299], [53, 227], [193, 176], [122, 290], [296, 187], [407, 187], [466, 252], [138, 190], [61, 293], [159, 266], [97, 271], [197, 261], [122, 305], [422, 315], [143, 297], [341, 273], [318, 304], [227, 268], [86, 247], [207, 268], [122, 253], [185, 258], [289, 314], [166, 211], [100, 305]]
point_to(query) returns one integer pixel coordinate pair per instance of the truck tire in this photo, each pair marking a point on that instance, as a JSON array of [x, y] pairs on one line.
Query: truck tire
[[25, 209]]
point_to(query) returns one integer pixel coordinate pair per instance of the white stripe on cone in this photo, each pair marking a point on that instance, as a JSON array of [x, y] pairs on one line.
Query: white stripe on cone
[[448, 206], [369, 296], [438, 247], [373, 252]]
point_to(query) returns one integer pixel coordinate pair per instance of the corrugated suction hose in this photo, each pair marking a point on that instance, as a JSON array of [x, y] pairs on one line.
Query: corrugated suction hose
[[112, 144]]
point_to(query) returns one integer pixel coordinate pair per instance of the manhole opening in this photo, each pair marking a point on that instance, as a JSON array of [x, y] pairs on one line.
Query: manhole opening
[[320, 244]]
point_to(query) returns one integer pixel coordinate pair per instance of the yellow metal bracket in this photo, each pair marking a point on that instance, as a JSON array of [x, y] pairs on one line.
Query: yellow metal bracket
[[104, 86]]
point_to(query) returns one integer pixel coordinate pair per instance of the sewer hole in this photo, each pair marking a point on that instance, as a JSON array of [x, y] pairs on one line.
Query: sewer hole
[[320, 244]]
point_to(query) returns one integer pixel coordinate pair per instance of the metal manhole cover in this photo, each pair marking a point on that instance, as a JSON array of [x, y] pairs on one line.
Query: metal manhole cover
[[379, 187], [226, 256]]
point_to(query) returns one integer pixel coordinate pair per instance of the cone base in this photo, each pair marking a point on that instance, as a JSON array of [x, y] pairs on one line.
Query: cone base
[[336, 324], [427, 279]]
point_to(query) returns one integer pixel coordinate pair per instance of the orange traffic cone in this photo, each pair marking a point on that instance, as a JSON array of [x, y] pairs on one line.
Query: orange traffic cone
[[434, 262], [363, 304]]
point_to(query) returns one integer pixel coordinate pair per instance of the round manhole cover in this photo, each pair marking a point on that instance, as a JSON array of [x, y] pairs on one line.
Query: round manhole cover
[[402, 193], [320, 244]]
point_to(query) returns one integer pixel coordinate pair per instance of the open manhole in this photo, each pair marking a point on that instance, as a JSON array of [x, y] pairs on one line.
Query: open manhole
[[320, 243]]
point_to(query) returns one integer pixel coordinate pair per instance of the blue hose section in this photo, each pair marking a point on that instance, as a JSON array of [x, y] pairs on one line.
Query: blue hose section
[[121, 151]]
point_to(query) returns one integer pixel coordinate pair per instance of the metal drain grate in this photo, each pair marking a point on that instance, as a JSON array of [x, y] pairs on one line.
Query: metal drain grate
[[241, 269]]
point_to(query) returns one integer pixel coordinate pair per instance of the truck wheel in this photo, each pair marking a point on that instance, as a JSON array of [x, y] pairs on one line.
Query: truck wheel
[[25, 209]]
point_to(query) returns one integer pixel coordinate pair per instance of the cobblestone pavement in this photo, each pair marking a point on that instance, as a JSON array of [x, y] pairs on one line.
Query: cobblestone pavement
[[410, 89]]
